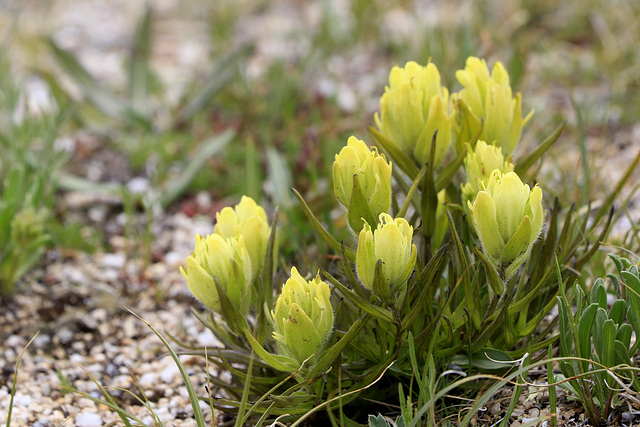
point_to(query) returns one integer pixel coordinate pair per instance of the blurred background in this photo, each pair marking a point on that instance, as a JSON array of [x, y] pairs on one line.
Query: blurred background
[[167, 106], [126, 125]]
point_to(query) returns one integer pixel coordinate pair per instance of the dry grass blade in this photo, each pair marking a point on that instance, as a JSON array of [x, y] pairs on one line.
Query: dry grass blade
[[15, 379]]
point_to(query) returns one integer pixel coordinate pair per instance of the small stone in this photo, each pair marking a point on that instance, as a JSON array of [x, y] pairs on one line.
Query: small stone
[[203, 199], [129, 327], [149, 379], [207, 339], [518, 412], [175, 258], [88, 419], [495, 408], [168, 374], [23, 400], [65, 336], [88, 323], [42, 341], [76, 358], [15, 341], [113, 260], [97, 214], [138, 185], [45, 388]]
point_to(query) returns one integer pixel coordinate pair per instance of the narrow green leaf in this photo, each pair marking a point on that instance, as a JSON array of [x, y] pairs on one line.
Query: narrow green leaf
[[269, 267], [281, 363], [566, 338], [13, 186], [622, 356], [608, 356], [426, 283], [524, 164], [396, 155], [515, 398], [245, 395], [448, 172], [617, 261], [552, 389], [75, 183], [102, 99], [495, 281], [359, 208], [331, 241], [486, 359], [224, 70], [232, 317], [598, 332], [193, 397], [412, 358], [617, 311], [414, 186], [15, 378], [328, 356], [360, 302], [280, 177], [624, 335], [598, 294], [209, 148], [139, 65], [585, 325], [470, 293], [380, 287], [429, 201], [632, 283]]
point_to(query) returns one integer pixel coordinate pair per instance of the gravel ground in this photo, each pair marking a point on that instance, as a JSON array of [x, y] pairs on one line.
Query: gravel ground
[[74, 301], [76, 305]]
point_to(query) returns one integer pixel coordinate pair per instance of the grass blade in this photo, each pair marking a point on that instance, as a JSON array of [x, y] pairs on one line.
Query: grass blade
[[193, 397], [208, 149], [15, 379], [225, 69], [331, 241], [552, 390], [101, 98], [524, 164], [242, 417], [280, 177], [139, 66]]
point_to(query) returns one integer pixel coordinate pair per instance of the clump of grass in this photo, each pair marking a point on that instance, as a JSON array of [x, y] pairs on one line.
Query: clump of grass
[[30, 167]]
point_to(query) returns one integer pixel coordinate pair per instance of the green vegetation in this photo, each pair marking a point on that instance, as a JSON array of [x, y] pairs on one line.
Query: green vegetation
[[467, 304]]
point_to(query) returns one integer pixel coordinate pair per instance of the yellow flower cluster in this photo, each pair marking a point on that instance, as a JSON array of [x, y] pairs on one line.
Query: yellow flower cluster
[[415, 105]]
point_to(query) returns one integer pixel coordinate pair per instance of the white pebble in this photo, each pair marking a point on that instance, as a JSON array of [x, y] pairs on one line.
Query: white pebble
[[41, 341], [175, 258], [203, 199], [77, 358], [113, 260], [168, 374], [88, 419], [138, 185], [15, 341], [23, 400], [149, 379], [207, 339]]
